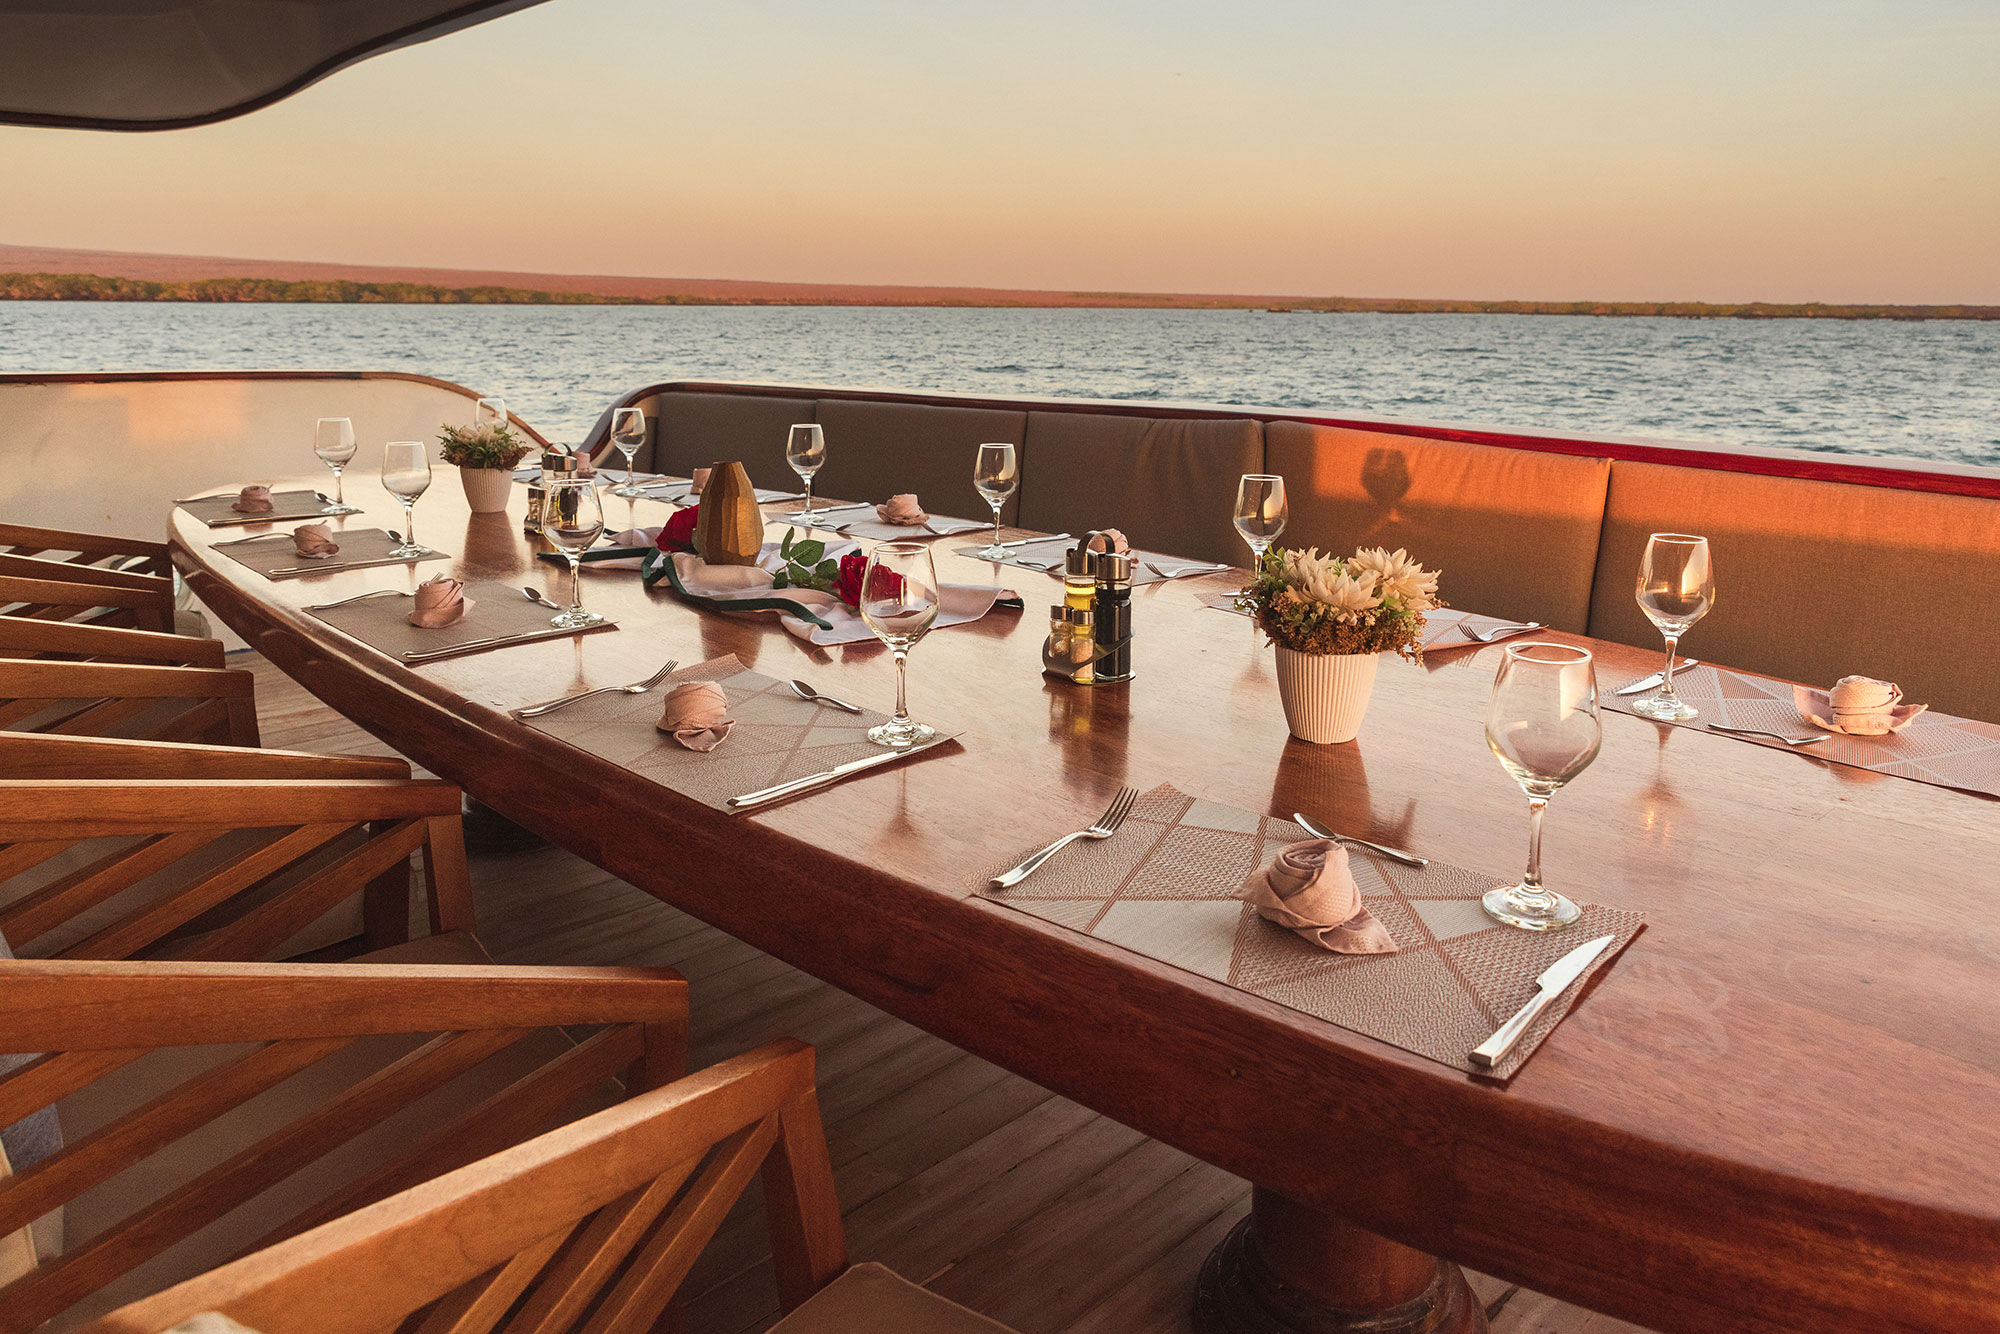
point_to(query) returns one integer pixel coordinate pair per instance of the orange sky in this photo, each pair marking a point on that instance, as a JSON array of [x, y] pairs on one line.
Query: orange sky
[[1836, 151]]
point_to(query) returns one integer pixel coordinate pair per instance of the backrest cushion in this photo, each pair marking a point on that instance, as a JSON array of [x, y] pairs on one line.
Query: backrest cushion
[[695, 430], [1168, 484], [1820, 580], [1513, 531], [875, 450]]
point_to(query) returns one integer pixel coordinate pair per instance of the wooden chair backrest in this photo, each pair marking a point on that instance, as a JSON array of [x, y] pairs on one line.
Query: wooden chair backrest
[[317, 843], [591, 1226], [119, 699], [49, 755], [53, 593], [86, 1021], [30, 637], [86, 549]]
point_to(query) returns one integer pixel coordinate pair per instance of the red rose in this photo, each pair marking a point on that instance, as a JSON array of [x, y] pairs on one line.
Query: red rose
[[853, 566], [678, 535]]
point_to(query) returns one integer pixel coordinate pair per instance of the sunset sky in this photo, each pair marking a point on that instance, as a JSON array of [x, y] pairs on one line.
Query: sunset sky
[[1782, 150]]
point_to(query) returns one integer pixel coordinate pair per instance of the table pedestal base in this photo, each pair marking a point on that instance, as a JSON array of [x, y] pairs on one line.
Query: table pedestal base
[[1288, 1269]]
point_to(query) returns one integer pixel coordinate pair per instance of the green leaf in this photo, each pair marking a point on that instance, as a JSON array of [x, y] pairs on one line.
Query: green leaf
[[809, 552]]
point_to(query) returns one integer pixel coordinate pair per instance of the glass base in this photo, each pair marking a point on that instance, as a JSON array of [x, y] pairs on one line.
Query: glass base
[[576, 620], [994, 552], [631, 492], [1665, 709], [1529, 908], [901, 736], [409, 551], [807, 517], [334, 507]]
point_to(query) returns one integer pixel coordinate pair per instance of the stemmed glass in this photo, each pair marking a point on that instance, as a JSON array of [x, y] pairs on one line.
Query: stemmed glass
[[899, 601], [1676, 589], [805, 450], [406, 474], [996, 473], [628, 432], [333, 441], [1542, 723], [573, 520], [1261, 512], [490, 412]]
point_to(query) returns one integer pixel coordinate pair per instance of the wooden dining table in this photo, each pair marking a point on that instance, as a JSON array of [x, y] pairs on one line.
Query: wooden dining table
[[1778, 1110]]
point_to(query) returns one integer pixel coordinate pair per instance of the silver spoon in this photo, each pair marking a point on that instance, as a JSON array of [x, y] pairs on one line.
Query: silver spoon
[[804, 691], [541, 600], [1775, 736]]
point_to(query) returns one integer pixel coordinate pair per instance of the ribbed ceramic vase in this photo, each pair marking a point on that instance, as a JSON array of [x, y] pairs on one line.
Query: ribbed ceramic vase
[[1326, 694], [487, 490]]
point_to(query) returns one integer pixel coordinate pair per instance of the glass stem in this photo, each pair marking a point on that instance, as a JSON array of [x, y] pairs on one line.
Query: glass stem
[[1667, 676], [409, 524], [809, 494], [630, 459], [996, 523], [339, 496], [902, 704], [575, 584], [1537, 807]]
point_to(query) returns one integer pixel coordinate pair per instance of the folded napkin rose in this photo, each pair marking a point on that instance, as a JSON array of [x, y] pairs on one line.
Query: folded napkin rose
[[315, 541], [697, 480], [253, 500], [1308, 888], [903, 510], [1110, 539], [1858, 706], [440, 601], [697, 715]]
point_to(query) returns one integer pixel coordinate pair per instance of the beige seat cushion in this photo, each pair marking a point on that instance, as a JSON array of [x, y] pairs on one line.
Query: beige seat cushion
[[1820, 580], [1168, 484], [695, 430], [873, 1299], [1514, 531], [875, 450]]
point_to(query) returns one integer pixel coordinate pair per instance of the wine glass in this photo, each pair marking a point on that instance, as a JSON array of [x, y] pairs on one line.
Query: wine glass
[[573, 520], [1676, 589], [1261, 511], [996, 473], [805, 450], [333, 441], [1542, 723], [628, 432], [490, 412], [406, 474], [899, 601]]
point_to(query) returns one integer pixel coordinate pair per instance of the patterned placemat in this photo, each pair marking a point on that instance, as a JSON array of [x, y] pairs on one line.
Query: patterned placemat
[[777, 737], [1936, 748], [1047, 558], [861, 523], [359, 549], [499, 612], [1164, 886], [215, 511]]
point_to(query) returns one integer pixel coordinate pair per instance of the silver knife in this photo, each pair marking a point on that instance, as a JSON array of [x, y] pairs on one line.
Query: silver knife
[[1031, 541], [1393, 854], [1555, 980], [465, 646], [1657, 679], [764, 796]]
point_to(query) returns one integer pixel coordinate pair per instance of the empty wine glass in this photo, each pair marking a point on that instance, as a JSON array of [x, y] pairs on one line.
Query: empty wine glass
[[333, 441], [490, 412], [406, 474], [1542, 723], [1261, 511], [899, 602], [628, 432], [996, 473], [1676, 589], [805, 450], [573, 520]]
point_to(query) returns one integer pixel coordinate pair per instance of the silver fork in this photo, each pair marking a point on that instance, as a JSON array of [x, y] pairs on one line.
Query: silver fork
[[1318, 830], [1106, 825], [245, 541], [1498, 632], [360, 597], [1775, 736], [636, 688]]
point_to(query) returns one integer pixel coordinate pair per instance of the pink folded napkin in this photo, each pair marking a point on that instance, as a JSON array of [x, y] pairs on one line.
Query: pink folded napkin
[[697, 715], [697, 480], [1858, 706], [253, 500], [1308, 888], [440, 601], [1110, 539], [315, 541], [903, 510]]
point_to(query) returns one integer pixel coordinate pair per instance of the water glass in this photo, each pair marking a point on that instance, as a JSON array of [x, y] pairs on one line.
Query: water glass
[[996, 473], [490, 412], [573, 520], [628, 432], [406, 474], [1261, 512], [899, 602], [1543, 725], [805, 450], [1676, 589], [333, 441]]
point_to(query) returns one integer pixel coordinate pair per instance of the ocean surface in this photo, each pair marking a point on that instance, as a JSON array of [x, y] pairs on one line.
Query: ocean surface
[[1922, 390]]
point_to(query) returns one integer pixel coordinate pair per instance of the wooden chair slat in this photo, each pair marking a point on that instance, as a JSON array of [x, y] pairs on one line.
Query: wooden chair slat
[[802, 1205], [478, 1306], [76, 594], [35, 914], [52, 1077], [265, 927], [22, 566], [108, 680], [17, 858], [36, 755], [103, 718], [213, 720], [449, 875], [15, 711], [574, 1281], [92, 544], [101, 808], [20, 637]]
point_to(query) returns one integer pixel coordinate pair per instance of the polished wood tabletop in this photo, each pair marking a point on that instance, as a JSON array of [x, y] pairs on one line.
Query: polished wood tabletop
[[1780, 1109]]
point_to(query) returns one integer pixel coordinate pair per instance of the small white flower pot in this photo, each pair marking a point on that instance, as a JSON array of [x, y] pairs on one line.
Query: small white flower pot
[[487, 490], [1325, 695]]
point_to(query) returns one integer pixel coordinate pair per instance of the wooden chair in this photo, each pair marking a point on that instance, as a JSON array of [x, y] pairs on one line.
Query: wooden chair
[[26, 637], [216, 1109], [87, 550], [589, 1227], [149, 700], [50, 755]]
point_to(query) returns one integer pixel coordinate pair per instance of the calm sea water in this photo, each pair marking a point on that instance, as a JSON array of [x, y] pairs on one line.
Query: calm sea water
[[1928, 390]]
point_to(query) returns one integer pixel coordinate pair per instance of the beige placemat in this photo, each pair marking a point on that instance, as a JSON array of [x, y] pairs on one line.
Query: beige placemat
[[778, 736], [1164, 886], [215, 511], [674, 490], [360, 548], [1936, 748], [1043, 553], [499, 611], [863, 524]]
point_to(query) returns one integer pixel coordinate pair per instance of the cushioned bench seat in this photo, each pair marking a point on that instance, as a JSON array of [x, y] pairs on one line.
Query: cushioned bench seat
[[875, 450]]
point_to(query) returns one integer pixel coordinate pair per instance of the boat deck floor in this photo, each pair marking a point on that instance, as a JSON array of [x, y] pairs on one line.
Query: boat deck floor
[[978, 1183]]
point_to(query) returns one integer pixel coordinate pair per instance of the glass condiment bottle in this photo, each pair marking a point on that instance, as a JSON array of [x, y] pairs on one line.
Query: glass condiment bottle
[[1113, 616], [1079, 582], [1082, 645], [1058, 634]]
